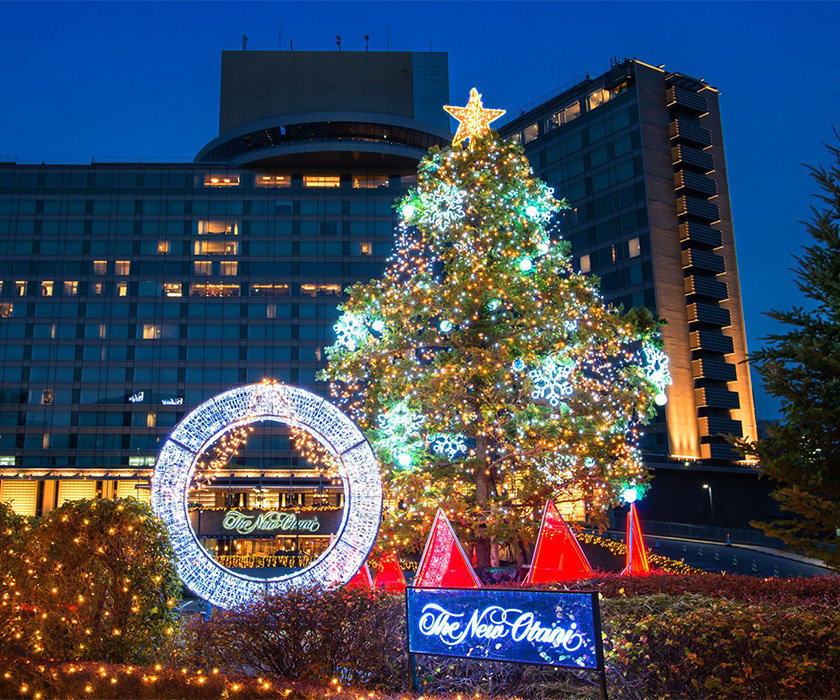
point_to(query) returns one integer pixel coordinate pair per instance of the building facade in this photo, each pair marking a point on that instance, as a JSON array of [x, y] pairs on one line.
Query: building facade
[[638, 154], [131, 292]]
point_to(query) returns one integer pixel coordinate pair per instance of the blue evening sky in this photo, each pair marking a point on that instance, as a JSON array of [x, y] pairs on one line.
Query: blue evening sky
[[80, 80]]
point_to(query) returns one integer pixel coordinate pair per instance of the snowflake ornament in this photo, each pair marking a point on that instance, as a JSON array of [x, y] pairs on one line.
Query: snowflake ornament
[[399, 426], [448, 444], [551, 380], [442, 207], [351, 331], [656, 367]]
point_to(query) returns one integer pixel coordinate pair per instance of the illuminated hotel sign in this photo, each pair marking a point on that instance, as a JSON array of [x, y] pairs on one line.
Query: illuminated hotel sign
[[251, 524], [555, 628]]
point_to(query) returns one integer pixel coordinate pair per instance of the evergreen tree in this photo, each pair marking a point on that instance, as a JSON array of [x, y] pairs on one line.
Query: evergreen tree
[[488, 374], [801, 367]]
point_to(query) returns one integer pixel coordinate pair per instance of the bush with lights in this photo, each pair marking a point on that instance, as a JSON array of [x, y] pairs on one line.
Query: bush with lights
[[489, 374], [93, 579]]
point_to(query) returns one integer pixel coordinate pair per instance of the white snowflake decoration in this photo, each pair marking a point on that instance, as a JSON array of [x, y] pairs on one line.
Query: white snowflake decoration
[[449, 444], [551, 381], [442, 207], [656, 367], [351, 331], [400, 426]]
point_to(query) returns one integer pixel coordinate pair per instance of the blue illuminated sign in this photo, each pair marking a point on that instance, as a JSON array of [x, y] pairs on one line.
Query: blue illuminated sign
[[557, 628]]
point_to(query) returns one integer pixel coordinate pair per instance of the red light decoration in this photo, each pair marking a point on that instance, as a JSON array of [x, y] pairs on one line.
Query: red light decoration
[[390, 576], [444, 563], [362, 579], [557, 555], [636, 560]]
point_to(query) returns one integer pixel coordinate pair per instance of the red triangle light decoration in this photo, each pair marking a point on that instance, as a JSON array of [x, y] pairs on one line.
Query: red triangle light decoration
[[444, 563], [390, 576], [557, 555], [636, 560], [362, 579]]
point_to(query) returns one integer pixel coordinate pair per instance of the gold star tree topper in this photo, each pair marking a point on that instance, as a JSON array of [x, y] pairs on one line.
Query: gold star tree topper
[[473, 119]]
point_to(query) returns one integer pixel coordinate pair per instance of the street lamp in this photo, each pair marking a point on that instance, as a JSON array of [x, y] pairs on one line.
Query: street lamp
[[711, 502]]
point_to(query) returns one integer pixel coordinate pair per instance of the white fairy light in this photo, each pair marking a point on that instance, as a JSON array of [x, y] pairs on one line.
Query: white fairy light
[[204, 426]]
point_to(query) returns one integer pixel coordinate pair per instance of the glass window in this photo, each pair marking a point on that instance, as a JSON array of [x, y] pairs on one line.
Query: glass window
[[203, 267], [530, 133], [598, 97], [321, 181], [221, 180], [269, 290], [100, 267], [272, 181], [228, 268], [172, 289], [216, 247], [516, 138], [214, 290], [314, 290], [122, 289], [217, 226], [585, 263], [6, 310], [20, 288], [370, 181], [46, 288], [564, 116], [70, 288], [97, 288], [122, 267], [163, 247], [634, 247]]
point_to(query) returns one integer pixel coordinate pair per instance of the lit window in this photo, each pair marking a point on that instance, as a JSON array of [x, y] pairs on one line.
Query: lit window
[[585, 264], [122, 289], [564, 116], [216, 247], [7, 461], [141, 461], [214, 290], [598, 97], [100, 267], [216, 227], [367, 182], [314, 290], [172, 289], [203, 267], [612, 252], [45, 441], [163, 247], [273, 181], [46, 289], [531, 132], [269, 290], [47, 397], [321, 181], [122, 267], [1, 286], [151, 420], [228, 268], [635, 247], [96, 287], [516, 138], [6, 310], [71, 288], [221, 180], [103, 330], [20, 288], [365, 248], [151, 331]]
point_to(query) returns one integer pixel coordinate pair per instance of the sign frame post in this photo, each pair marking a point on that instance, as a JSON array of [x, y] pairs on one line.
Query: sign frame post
[[446, 630]]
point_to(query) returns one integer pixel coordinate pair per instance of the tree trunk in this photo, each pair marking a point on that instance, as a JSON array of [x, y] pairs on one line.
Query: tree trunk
[[482, 500]]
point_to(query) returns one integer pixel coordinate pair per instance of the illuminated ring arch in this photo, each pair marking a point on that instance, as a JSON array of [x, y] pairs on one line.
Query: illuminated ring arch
[[203, 426]]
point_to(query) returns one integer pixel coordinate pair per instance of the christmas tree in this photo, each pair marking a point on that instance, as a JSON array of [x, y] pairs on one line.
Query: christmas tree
[[487, 373]]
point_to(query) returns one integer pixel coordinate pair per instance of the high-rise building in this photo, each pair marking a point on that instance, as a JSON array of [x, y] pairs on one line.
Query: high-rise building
[[638, 153], [131, 292]]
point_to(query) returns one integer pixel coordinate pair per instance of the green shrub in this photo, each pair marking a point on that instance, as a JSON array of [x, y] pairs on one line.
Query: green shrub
[[96, 579], [354, 636], [700, 647]]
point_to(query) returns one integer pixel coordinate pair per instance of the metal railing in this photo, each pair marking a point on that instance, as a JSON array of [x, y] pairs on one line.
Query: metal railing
[[568, 85]]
